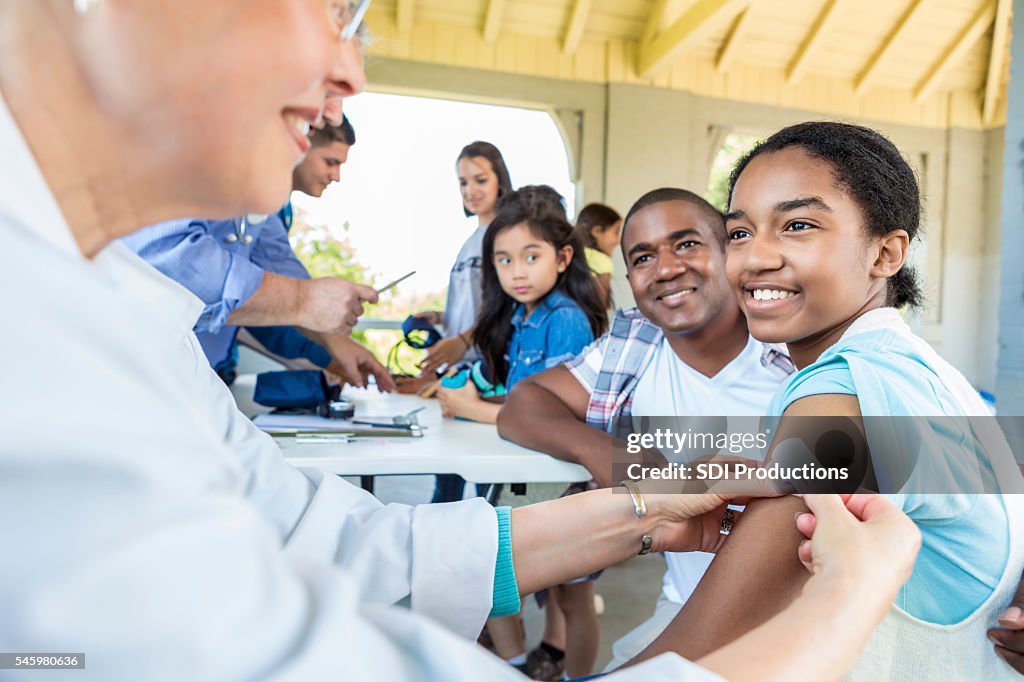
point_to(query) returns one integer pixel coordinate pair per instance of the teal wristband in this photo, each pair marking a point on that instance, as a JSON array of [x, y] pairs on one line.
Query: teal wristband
[[505, 599]]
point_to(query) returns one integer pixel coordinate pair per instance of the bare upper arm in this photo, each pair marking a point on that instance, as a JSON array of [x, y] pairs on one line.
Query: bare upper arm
[[547, 412], [755, 575], [833, 404], [825, 430]]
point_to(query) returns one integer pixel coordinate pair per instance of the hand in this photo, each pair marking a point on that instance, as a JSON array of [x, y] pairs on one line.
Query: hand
[[355, 364], [692, 522], [434, 317], [458, 402], [413, 385], [444, 352], [861, 543], [336, 375], [332, 304], [1009, 639]]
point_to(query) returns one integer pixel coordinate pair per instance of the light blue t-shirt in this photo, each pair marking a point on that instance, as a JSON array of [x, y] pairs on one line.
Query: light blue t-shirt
[[965, 538]]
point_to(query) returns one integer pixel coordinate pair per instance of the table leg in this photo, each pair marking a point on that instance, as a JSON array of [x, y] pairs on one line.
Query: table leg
[[366, 482]]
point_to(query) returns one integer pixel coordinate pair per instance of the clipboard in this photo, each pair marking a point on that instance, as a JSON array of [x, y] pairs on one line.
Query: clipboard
[[289, 426], [353, 432]]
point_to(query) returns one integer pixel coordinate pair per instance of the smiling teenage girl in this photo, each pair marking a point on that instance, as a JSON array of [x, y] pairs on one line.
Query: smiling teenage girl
[[821, 219]]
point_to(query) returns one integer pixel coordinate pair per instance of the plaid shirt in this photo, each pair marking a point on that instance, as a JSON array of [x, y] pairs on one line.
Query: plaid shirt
[[610, 368]]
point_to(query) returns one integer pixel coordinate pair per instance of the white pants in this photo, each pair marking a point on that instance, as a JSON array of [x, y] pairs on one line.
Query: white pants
[[637, 639]]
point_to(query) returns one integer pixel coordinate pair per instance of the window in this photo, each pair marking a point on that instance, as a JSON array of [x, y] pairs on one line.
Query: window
[[734, 147]]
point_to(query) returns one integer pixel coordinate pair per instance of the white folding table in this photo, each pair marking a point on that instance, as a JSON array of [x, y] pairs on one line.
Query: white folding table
[[473, 451]]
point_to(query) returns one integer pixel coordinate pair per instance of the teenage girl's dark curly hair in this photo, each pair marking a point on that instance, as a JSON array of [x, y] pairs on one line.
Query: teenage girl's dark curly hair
[[541, 209], [868, 167]]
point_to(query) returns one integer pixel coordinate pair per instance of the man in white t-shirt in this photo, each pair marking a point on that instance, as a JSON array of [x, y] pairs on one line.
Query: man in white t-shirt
[[683, 351]]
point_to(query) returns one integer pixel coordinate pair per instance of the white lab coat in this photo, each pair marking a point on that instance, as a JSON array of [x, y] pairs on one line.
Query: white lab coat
[[145, 522]]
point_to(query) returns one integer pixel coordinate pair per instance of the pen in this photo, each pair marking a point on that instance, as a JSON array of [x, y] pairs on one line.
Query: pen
[[275, 432], [320, 439], [381, 425], [395, 283]]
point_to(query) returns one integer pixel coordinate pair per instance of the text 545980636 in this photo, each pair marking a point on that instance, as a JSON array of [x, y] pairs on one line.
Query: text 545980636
[[42, 661]]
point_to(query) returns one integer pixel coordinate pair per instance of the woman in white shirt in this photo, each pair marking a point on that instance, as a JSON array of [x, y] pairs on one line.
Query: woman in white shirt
[[145, 521], [483, 181]]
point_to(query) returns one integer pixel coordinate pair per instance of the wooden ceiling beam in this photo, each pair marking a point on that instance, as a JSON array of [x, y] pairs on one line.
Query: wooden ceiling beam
[[996, 61], [492, 20], [955, 53], [727, 53], [660, 52], [404, 15], [813, 41], [894, 41], [577, 22], [654, 20]]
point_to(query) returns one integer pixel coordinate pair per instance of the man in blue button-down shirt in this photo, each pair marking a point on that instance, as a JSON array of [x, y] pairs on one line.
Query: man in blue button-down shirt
[[246, 273]]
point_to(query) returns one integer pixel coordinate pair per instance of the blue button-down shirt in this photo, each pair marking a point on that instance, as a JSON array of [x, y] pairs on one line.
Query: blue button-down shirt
[[556, 331], [223, 263]]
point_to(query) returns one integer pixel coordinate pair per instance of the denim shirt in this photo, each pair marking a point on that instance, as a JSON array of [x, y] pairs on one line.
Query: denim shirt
[[223, 264], [557, 330]]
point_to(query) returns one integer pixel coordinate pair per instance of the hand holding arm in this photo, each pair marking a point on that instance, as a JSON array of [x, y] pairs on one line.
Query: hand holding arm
[[573, 536], [823, 632], [732, 599]]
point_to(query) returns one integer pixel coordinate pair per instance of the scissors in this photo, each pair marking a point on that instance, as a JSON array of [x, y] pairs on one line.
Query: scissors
[[403, 421]]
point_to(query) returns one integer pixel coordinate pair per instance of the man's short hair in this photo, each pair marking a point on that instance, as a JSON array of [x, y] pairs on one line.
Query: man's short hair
[[343, 132], [713, 216]]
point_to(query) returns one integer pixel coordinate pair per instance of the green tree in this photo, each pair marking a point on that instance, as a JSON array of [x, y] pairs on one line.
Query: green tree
[[734, 147], [326, 255]]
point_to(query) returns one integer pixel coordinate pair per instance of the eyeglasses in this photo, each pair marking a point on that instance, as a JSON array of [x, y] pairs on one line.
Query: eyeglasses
[[347, 17]]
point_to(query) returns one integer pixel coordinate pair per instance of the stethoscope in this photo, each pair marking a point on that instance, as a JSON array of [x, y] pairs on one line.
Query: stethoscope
[[239, 234]]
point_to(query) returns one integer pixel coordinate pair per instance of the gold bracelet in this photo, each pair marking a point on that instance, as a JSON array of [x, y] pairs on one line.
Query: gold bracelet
[[640, 509]]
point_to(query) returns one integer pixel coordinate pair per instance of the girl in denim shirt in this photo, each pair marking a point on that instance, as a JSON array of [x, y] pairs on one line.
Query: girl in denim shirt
[[541, 306], [540, 303]]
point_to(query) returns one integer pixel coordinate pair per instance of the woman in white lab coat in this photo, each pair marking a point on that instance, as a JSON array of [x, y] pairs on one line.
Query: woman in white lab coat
[[145, 522]]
